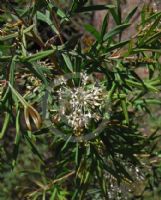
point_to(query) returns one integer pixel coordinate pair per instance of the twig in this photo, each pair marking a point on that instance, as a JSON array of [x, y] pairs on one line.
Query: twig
[[60, 179], [56, 23], [47, 187]]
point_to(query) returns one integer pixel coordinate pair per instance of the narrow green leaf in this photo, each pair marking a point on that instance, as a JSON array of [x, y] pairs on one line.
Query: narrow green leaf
[[5, 58], [33, 148], [46, 18], [104, 25], [7, 37], [148, 33], [137, 50], [93, 31], [114, 15], [141, 86], [53, 195], [77, 154], [5, 125], [118, 29], [130, 15], [17, 139], [151, 17], [148, 101], [116, 46], [37, 71], [66, 143], [122, 170], [118, 8], [153, 38], [68, 62], [125, 110], [94, 8], [38, 56]]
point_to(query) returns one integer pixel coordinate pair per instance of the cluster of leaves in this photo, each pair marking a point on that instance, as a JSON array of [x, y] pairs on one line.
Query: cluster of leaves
[[31, 61]]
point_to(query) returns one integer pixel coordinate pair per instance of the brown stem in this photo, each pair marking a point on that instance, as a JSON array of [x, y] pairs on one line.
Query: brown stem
[[60, 179], [47, 187], [56, 23]]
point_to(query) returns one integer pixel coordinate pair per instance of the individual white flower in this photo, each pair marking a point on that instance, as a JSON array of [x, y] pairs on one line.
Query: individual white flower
[[84, 78]]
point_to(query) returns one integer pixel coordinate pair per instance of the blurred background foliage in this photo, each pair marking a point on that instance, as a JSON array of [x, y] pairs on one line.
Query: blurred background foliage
[[43, 40]]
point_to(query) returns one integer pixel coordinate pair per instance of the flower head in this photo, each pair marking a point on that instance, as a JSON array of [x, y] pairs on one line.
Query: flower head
[[30, 82], [80, 103]]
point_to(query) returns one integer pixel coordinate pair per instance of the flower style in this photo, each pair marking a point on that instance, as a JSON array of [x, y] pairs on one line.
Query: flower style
[[1, 90]]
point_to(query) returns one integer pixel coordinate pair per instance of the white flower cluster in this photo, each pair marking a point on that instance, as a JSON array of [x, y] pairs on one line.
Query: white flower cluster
[[79, 105], [30, 82]]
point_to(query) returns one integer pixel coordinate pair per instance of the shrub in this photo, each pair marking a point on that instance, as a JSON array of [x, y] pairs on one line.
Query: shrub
[[70, 104]]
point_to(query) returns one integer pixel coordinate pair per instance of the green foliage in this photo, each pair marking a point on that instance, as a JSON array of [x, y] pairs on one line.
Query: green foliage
[[103, 154]]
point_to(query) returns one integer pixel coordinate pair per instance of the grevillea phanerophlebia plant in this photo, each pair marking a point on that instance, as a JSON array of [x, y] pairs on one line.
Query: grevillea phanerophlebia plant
[[71, 101]]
